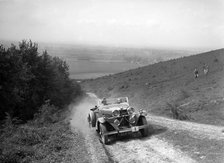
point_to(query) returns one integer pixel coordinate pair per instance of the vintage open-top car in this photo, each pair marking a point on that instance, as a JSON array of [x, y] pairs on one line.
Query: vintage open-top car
[[114, 116]]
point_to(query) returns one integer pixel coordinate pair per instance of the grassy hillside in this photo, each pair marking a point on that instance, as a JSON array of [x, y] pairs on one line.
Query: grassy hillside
[[171, 84]]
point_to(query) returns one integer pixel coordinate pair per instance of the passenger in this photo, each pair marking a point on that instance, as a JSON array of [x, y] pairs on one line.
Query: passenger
[[196, 73], [205, 69]]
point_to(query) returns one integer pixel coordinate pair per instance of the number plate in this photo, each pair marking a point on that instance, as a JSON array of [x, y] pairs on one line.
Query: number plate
[[134, 129]]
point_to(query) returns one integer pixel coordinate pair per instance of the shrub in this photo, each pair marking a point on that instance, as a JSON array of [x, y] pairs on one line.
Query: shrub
[[48, 114], [110, 88], [216, 60], [173, 110], [125, 86], [9, 125], [176, 112], [183, 95]]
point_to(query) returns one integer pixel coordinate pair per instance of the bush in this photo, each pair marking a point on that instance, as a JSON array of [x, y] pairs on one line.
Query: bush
[[176, 112], [110, 88], [124, 86], [183, 94], [47, 114], [216, 60]]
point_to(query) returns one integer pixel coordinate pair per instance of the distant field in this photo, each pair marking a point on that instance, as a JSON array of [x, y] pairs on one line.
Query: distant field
[[87, 62], [86, 69], [81, 76]]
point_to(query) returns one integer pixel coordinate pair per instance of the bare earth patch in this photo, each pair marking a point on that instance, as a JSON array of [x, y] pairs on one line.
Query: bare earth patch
[[202, 150]]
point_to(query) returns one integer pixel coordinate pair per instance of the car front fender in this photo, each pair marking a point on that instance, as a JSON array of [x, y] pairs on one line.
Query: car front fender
[[137, 117], [101, 120]]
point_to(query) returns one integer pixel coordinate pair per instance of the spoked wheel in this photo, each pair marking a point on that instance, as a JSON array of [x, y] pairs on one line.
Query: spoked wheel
[[145, 131], [104, 138]]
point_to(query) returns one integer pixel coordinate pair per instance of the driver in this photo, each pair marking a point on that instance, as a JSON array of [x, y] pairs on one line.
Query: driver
[[119, 101], [93, 109], [104, 101]]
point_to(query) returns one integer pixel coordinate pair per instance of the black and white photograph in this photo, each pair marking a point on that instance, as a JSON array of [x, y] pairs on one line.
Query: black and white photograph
[[111, 81]]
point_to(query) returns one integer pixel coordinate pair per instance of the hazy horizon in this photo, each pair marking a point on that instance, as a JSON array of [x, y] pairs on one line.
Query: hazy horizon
[[126, 23]]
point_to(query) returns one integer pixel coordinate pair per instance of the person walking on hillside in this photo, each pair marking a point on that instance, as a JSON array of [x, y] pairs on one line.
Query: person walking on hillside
[[205, 69], [196, 73]]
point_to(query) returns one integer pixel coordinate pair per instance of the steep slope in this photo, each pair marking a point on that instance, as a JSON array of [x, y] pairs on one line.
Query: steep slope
[[161, 86]]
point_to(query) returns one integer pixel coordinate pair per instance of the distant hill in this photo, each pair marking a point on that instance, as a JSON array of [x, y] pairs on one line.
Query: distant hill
[[159, 86], [95, 61]]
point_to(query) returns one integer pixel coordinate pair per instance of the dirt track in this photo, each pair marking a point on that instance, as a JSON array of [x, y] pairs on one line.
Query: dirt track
[[198, 130], [134, 148]]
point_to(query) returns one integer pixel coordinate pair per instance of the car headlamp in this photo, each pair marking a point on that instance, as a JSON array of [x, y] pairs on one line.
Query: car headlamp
[[116, 113], [132, 119], [131, 110]]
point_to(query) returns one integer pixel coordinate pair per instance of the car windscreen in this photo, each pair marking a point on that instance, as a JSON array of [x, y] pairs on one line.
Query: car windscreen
[[124, 106], [111, 101]]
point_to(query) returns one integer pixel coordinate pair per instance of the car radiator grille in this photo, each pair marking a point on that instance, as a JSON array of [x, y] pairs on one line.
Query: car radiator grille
[[124, 122], [123, 112]]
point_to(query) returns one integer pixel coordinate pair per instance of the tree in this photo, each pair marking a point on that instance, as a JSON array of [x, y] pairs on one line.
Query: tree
[[28, 79]]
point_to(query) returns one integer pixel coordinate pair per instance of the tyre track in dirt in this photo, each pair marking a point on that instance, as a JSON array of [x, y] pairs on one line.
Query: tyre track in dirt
[[134, 150], [151, 150], [96, 152], [197, 130]]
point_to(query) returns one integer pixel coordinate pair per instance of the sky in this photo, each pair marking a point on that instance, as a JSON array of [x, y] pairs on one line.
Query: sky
[[135, 23]]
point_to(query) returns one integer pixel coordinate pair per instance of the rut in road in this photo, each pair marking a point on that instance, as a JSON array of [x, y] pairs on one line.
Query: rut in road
[[96, 152], [151, 150]]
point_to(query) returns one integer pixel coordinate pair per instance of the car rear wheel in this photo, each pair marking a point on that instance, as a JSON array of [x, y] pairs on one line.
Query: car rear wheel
[[92, 118], [145, 131], [103, 130]]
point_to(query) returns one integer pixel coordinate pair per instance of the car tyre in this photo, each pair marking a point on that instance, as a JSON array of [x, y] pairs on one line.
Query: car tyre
[[145, 131], [93, 118], [103, 130]]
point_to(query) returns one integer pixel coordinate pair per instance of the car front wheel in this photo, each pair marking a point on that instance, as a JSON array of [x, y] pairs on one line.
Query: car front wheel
[[145, 131], [103, 130], [92, 118]]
